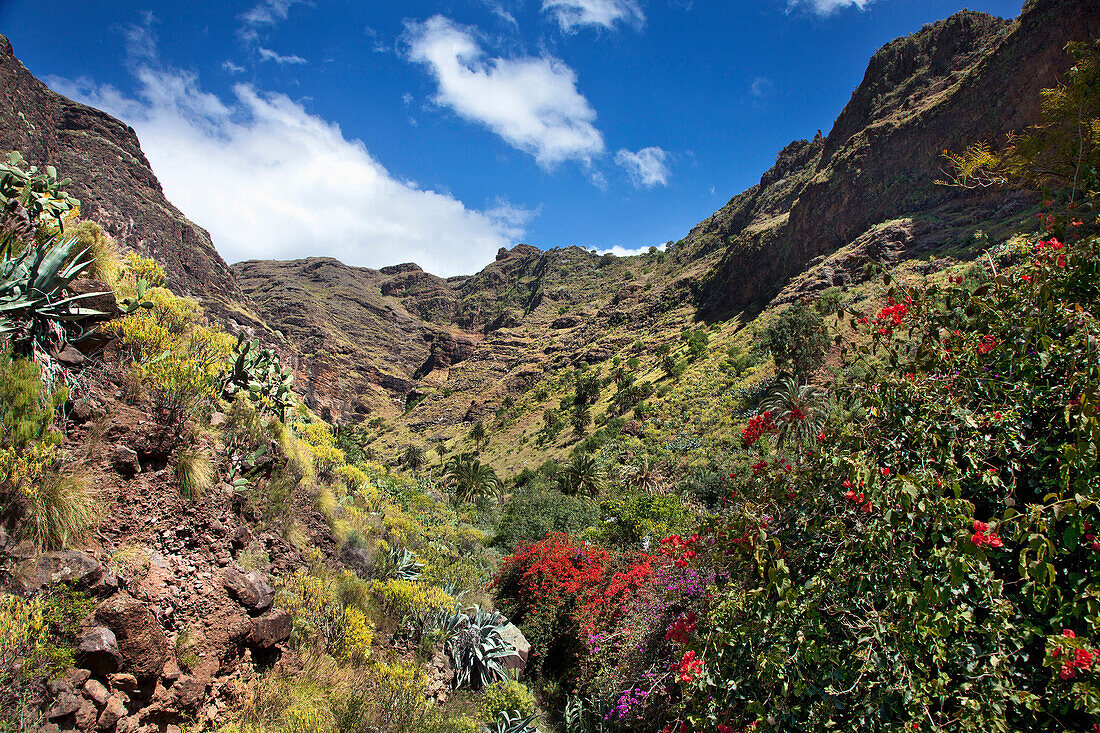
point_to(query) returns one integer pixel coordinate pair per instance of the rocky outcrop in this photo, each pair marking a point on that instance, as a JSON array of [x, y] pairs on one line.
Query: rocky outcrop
[[115, 184], [250, 589]]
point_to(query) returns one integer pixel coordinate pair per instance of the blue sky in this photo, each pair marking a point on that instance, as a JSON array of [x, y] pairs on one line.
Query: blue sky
[[436, 132]]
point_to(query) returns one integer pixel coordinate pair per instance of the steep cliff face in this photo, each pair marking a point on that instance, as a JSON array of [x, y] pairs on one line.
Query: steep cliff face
[[115, 184], [969, 77]]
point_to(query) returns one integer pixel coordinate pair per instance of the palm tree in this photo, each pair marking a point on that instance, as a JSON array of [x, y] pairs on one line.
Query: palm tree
[[413, 457], [470, 478], [581, 418], [441, 449], [799, 410], [478, 435], [642, 475], [582, 474]]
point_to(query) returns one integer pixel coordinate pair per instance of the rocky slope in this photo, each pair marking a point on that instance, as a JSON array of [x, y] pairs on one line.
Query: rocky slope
[[967, 78], [115, 184]]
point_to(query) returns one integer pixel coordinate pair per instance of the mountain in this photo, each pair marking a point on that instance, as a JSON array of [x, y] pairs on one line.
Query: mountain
[[115, 184], [374, 343]]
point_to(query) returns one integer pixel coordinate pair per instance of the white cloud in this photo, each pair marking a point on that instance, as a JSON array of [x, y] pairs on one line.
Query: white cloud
[[497, 9], [572, 14], [827, 7], [266, 54], [761, 88], [647, 167], [231, 67], [263, 15], [532, 103], [624, 252], [272, 181]]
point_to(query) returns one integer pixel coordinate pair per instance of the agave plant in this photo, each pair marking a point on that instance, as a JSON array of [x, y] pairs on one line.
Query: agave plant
[[256, 372], [512, 721], [37, 307], [403, 565], [800, 411], [477, 649]]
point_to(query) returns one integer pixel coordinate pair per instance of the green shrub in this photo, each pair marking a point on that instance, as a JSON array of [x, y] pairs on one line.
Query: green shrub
[[532, 514], [506, 696], [797, 340]]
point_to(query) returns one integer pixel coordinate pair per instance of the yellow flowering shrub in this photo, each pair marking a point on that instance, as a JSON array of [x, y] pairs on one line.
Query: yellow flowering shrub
[[316, 433], [358, 634], [404, 598], [22, 630], [136, 268]]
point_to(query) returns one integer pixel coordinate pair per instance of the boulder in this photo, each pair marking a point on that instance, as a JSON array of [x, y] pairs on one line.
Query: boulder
[[112, 712], [63, 705], [189, 693], [96, 692], [125, 460], [73, 568], [140, 638], [101, 297], [249, 589], [516, 662], [97, 649], [241, 537], [86, 715], [70, 357], [268, 630]]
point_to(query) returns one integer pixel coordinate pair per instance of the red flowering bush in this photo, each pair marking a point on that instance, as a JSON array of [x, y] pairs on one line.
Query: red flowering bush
[[562, 591]]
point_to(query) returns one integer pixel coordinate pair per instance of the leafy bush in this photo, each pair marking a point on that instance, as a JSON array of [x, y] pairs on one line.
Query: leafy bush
[[37, 636], [532, 514], [797, 340], [405, 598], [507, 696]]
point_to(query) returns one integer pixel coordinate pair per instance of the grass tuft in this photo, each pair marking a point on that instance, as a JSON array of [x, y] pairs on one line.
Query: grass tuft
[[60, 507], [194, 472]]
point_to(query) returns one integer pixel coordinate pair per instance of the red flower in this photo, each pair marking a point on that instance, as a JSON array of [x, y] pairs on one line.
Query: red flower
[[759, 426], [867, 508], [1068, 633], [688, 668], [982, 537], [1026, 278], [885, 472]]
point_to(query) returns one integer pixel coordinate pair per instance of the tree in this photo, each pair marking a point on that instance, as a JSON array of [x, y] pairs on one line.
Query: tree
[[478, 435], [799, 409], [797, 341], [582, 475], [581, 418], [641, 475], [673, 367], [441, 449], [471, 479], [413, 457]]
